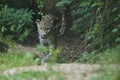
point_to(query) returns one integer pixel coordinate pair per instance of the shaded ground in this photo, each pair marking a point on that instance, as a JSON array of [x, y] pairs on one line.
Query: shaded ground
[[69, 45]]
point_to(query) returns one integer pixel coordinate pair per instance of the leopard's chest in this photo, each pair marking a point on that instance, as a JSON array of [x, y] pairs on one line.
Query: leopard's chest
[[46, 41]]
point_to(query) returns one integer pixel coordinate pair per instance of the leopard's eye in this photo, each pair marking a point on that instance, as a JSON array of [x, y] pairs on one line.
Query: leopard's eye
[[48, 28], [40, 28]]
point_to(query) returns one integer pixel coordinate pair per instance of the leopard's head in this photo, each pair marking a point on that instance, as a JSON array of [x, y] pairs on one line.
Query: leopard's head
[[46, 25]]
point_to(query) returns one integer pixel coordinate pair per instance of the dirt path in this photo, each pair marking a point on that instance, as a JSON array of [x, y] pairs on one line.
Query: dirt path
[[71, 71]]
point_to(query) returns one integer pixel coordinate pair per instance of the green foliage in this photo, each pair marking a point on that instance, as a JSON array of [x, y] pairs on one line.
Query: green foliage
[[63, 2], [98, 21], [34, 75], [41, 6], [53, 57], [42, 48], [19, 59], [15, 22], [47, 7], [107, 73], [7, 40], [90, 58], [110, 56], [15, 59]]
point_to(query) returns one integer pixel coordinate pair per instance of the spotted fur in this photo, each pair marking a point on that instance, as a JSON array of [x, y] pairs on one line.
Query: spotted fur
[[48, 30]]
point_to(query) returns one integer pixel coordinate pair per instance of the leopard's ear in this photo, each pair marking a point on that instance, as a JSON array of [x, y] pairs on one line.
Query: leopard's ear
[[37, 21]]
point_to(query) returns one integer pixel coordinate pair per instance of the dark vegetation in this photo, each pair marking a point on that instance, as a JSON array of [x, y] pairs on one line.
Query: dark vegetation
[[95, 24], [3, 47], [92, 30]]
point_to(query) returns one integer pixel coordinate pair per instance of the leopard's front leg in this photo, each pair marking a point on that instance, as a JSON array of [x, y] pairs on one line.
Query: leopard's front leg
[[52, 47]]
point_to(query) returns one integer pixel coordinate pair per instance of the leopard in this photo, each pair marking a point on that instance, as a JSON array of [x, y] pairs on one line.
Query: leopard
[[48, 30]]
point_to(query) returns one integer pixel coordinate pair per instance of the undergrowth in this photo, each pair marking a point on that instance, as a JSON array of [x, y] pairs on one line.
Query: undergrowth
[[34, 75], [16, 59], [108, 73], [105, 59], [110, 56]]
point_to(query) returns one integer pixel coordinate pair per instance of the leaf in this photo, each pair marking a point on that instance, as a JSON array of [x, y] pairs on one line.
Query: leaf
[[26, 33], [16, 21], [118, 26], [118, 15], [63, 2], [3, 28], [97, 4], [84, 3], [43, 48], [118, 39], [114, 9], [114, 30], [37, 61], [56, 51], [116, 18], [12, 28]]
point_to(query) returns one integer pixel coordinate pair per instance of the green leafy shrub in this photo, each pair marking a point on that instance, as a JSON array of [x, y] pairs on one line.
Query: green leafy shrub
[[97, 20], [63, 2], [90, 58], [53, 57], [35, 75], [110, 56], [107, 73], [15, 22], [15, 59]]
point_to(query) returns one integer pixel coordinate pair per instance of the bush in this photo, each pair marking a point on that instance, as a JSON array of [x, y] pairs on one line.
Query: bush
[[15, 22], [107, 73], [110, 56], [96, 20]]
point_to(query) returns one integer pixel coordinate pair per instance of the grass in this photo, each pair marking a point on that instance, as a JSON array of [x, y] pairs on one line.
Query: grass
[[107, 73], [110, 56], [34, 75], [16, 59], [106, 58], [7, 40]]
